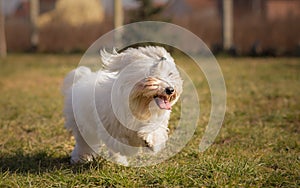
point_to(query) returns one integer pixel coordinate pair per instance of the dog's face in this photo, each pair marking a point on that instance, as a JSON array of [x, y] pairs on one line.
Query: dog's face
[[161, 86], [148, 82]]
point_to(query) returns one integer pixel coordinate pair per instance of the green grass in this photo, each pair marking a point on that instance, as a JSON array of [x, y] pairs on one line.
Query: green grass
[[258, 145]]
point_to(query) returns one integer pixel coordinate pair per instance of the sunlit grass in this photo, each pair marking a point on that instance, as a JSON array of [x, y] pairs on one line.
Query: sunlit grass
[[258, 145]]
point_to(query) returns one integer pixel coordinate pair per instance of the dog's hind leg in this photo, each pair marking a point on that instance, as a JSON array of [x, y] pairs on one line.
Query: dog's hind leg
[[83, 152]]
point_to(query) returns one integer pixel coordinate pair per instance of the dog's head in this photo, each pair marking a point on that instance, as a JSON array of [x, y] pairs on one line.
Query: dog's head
[[156, 82], [158, 91]]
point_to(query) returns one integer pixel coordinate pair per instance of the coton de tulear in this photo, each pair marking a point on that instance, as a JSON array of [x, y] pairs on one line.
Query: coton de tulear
[[126, 105]]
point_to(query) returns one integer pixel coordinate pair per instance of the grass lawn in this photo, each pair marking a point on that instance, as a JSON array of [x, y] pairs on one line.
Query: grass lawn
[[258, 145]]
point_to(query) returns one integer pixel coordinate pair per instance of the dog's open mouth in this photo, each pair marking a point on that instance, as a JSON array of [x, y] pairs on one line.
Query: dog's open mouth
[[162, 102]]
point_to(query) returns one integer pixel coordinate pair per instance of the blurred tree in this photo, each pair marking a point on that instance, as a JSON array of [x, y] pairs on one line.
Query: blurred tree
[[118, 13], [34, 13], [3, 50], [146, 11], [227, 23], [118, 21]]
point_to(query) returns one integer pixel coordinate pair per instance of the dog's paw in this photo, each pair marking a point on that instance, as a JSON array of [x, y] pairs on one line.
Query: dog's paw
[[155, 140], [81, 159]]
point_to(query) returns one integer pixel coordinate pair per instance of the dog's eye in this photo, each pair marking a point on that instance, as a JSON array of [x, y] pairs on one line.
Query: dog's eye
[[170, 74]]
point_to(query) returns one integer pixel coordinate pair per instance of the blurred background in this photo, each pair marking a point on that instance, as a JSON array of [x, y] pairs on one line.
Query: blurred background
[[259, 143], [238, 27]]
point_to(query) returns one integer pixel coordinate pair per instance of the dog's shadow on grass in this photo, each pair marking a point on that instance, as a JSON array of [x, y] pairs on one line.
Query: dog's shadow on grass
[[42, 162]]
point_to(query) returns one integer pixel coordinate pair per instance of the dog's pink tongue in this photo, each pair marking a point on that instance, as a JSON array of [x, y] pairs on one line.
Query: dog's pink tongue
[[163, 104]]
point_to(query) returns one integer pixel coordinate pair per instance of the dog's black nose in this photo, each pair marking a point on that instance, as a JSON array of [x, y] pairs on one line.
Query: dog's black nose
[[169, 90]]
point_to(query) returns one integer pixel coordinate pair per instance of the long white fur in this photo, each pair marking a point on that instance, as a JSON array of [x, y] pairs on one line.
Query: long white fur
[[96, 104]]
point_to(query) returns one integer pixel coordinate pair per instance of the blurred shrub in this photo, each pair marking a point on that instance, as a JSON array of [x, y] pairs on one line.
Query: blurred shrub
[[67, 38], [74, 13]]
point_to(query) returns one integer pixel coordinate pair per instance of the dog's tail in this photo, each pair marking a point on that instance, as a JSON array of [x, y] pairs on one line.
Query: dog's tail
[[73, 76]]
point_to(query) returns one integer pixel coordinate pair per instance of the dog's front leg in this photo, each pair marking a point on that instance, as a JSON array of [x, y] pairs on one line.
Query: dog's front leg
[[155, 140]]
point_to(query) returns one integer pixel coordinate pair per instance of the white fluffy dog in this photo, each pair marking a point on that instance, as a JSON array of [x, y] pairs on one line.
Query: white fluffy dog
[[126, 105]]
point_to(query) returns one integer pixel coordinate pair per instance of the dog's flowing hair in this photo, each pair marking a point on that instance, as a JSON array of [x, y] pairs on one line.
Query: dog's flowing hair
[[125, 105]]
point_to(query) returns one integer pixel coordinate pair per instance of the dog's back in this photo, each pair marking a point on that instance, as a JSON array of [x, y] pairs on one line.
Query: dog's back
[[73, 76]]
